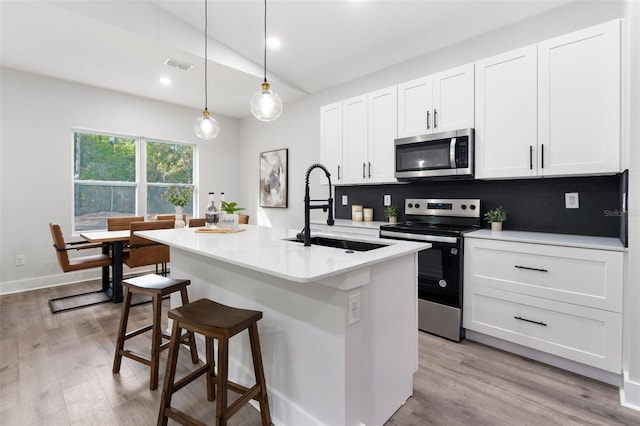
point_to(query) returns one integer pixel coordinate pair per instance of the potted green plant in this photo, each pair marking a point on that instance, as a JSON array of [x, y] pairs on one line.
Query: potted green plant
[[495, 217], [230, 218], [391, 213], [179, 197]]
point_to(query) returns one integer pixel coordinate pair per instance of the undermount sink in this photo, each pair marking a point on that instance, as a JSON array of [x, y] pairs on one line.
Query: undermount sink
[[341, 244]]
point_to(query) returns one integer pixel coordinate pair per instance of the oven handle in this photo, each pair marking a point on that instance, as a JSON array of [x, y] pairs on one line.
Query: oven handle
[[419, 237]]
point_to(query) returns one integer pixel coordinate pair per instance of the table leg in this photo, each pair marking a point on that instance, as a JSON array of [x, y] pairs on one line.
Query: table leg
[[117, 271], [105, 271]]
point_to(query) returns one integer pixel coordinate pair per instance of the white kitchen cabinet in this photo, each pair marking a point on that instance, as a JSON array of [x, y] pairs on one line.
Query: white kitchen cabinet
[[436, 103], [331, 141], [354, 138], [383, 130], [579, 102], [565, 301], [506, 132]]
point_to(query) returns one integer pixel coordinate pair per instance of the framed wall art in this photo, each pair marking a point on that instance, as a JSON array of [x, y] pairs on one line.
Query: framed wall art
[[274, 177]]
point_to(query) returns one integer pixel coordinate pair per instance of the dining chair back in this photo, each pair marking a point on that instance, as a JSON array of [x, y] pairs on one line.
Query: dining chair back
[[144, 252], [170, 217], [122, 223], [196, 222], [67, 263]]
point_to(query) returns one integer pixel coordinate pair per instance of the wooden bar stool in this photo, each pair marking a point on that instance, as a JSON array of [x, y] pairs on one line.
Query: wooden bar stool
[[157, 287], [214, 321]]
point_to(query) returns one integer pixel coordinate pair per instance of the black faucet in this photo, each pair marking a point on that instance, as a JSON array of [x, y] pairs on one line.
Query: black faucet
[[306, 237]]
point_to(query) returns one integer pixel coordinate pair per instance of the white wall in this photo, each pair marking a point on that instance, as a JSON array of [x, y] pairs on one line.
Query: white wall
[[37, 116]]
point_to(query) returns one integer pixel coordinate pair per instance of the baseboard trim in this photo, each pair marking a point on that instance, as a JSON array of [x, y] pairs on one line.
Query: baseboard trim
[[630, 393], [556, 361], [19, 286]]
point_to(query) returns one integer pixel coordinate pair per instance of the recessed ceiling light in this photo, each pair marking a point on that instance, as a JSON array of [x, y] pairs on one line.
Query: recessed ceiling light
[[273, 42], [165, 81]]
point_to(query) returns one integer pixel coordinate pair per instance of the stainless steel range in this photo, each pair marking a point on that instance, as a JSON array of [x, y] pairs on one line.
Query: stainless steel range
[[441, 222]]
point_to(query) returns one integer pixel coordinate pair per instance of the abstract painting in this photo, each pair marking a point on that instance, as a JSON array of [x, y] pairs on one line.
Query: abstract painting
[[274, 178]]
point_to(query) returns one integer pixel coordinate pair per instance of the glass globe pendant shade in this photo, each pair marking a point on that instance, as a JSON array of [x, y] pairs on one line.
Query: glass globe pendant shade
[[206, 127], [266, 105]]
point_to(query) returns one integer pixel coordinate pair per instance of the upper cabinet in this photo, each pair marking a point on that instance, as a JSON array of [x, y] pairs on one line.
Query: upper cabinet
[[506, 115], [551, 109], [357, 138], [331, 141], [579, 102], [436, 103]]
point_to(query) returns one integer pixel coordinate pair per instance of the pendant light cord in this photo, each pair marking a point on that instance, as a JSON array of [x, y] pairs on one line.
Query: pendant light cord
[[206, 91], [265, 41]]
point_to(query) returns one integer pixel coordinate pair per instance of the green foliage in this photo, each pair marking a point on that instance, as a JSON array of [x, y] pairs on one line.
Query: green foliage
[[104, 157], [231, 207], [178, 196], [169, 163], [496, 215], [391, 211]]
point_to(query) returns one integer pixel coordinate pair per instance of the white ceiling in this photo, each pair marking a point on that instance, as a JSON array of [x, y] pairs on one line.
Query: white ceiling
[[122, 45]]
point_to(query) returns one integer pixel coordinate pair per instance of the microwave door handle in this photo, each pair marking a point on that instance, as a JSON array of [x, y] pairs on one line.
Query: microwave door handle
[[452, 153]]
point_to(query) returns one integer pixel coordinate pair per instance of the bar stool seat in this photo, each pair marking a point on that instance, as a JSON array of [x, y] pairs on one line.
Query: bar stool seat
[[156, 287], [221, 322]]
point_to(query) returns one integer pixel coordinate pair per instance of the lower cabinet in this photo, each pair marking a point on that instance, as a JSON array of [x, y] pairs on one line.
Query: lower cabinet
[[561, 300]]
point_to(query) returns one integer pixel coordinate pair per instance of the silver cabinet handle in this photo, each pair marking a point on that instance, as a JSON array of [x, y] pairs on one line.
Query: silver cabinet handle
[[530, 157], [531, 321], [435, 118], [542, 156], [338, 171], [428, 125], [369, 169], [363, 168]]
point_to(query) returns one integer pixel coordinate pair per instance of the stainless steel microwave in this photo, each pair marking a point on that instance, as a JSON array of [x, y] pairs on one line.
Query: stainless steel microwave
[[439, 155]]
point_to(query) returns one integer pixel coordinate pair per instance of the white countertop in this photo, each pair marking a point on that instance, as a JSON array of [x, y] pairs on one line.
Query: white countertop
[[568, 240], [350, 223], [262, 249]]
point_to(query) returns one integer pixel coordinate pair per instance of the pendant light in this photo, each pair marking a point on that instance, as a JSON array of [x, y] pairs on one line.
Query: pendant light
[[206, 127], [266, 105]]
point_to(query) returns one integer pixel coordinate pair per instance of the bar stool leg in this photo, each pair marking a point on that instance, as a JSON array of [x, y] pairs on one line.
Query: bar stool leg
[[122, 331], [170, 375], [191, 336], [222, 381], [211, 374], [259, 372], [156, 337]]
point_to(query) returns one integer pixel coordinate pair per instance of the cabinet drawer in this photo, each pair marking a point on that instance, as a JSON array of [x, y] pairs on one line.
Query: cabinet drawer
[[585, 277], [586, 335]]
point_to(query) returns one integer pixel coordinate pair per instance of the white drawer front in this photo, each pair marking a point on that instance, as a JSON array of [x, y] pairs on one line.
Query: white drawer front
[[584, 277], [586, 335]]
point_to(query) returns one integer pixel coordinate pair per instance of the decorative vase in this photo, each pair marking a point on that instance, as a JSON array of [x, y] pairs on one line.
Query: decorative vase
[[228, 220], [496, 226], [393, 219], [179, 217]]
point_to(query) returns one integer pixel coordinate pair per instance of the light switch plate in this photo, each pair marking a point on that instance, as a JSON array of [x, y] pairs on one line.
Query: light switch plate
[[571, 200], [387, 200], [345, 200]]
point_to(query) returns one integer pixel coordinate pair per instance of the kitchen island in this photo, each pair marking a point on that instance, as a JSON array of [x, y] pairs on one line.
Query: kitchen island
[[339, 332]]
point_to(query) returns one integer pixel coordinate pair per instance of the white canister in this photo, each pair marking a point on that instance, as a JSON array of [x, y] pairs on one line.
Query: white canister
[[368, 215], [357, 217], [355, 209]]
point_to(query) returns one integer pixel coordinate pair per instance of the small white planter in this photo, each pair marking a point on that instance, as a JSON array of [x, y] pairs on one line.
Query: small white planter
[[228, 220], [496, 226]]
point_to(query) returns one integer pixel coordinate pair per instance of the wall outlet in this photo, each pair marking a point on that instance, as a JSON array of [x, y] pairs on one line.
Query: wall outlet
[[20, 260], [387, 200], [345, 200], [571, 200], [354, 308]]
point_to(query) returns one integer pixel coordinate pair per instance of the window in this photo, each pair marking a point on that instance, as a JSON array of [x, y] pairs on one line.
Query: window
[[110, 181]]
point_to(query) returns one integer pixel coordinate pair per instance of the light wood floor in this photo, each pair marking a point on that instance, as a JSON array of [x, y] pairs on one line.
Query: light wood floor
[[56, 370]]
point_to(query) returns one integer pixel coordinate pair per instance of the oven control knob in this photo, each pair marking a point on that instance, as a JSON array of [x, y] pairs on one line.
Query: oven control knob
[[417, 206], [463, 206], [472, 207], [442, 283], [410, 205]]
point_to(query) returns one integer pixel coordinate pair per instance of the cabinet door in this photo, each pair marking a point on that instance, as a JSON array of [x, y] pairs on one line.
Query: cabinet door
[[506, 114], [415, 102], [331, 142], [453, 99], [579, 102], [354, 139], [383, 130]]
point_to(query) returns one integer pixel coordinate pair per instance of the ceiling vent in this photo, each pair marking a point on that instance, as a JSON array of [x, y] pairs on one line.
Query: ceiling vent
[[177, 64]]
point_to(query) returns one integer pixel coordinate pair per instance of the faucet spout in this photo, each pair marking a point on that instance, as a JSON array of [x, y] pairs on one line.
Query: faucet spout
[[328, 207]]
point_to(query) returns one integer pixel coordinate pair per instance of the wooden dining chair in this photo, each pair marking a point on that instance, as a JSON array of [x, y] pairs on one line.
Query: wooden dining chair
[[196, 222], [170, 217], [76, 263], [143, 252], [122, 223]]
